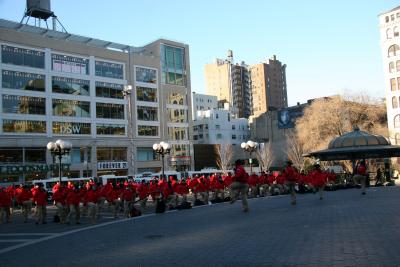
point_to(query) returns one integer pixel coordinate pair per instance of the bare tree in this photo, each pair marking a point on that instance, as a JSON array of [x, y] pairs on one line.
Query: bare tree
[[330, 117], [265, 156], [225, 154], [295, 151]]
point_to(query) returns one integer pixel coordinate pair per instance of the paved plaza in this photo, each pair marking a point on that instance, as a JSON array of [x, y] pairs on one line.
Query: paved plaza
[[344, 229]]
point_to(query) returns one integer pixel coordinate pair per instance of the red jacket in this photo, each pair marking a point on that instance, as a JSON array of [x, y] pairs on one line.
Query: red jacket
[[73, 198], [40, 197], [5, 199], [253, 180], [59, 196], [91, 196], [291, 174], [127, 194], [23, 195], [240, 175]]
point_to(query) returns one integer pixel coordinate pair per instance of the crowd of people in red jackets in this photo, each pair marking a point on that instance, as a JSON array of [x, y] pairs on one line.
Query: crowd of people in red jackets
[[73, 200]]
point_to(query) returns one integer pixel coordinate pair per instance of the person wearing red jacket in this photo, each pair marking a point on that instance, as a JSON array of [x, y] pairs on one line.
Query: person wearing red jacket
[[128, 196], [240, 186], [291, 176], [154, 190], [5, 206], [59, 201], [361, 175], [39, 196], [319, 180], [72, 201], [114, 199], [91, 199], [143, 191], [24, 199]]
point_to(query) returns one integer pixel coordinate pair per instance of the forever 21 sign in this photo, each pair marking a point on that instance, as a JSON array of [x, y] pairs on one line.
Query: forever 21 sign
[[112, 165]]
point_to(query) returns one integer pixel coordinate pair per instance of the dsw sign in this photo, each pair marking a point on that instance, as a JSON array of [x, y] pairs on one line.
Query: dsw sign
[[71, 129]]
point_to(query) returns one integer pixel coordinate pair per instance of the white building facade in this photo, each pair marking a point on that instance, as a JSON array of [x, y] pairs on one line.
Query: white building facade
[[389, 23], [201, 102], [218, 126]]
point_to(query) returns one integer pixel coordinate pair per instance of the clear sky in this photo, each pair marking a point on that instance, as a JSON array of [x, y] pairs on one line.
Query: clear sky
[[329, 47]]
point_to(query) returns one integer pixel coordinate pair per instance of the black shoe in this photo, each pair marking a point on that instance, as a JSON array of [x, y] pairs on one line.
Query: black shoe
[[363, 193]]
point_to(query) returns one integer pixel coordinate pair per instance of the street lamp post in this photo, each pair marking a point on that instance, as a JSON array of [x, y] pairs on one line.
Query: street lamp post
[[162, 148], [127, 93], [250, 147], [59, 149]]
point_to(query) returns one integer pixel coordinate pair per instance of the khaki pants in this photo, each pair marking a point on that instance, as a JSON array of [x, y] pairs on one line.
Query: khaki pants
[[116, 204], [92, 211], [291, 186], [41, 213], [61, 212], [5, 213], [240, 188], [74, 211], [127, 207], [26, 209], [362, 179], [100, 203], [321, 192]]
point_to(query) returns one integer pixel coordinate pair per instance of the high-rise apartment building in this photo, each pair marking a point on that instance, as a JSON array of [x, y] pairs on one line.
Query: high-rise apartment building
[[389, 23], [57, 85], [230, 82], [201, 102], [268, 86]]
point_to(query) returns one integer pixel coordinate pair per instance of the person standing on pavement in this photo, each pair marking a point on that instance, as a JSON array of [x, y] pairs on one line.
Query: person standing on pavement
[[91, 199], [40, 199], [73, 200], [59, 201], [361, 175], [24, 199], [240, 185], [291, 176], [5, 206], [319, 180]]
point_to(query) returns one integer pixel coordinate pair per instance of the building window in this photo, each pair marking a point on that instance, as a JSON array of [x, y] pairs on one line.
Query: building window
[[177, 133], [71, 108], [180, 150], [35, 155], [177, 115], [146, 154], [393, 84], [397, 121], [217, 126], [109, 90], [173, 65], [195, 137], [391, 67], [24, 126], [144, 130], [233, 136], [389, 33], [69, 64], [70, 86], [233, 127], [393, 50], [71, 128], [397, 139], [109, 70], [24, 105], [22, 57], [110, 129], [145, 75], [176, 99], [23, 81], [398, 83], [219, 136], [111, 154], [398, 65], [109, 111], [11, 155], [146, 94], [392, 17], [216, 116], [396, 32], [147, 113], [395, 104], [387, 19]]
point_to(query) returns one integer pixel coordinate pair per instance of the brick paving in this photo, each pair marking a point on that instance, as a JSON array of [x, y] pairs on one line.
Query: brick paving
[[344, 229]]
